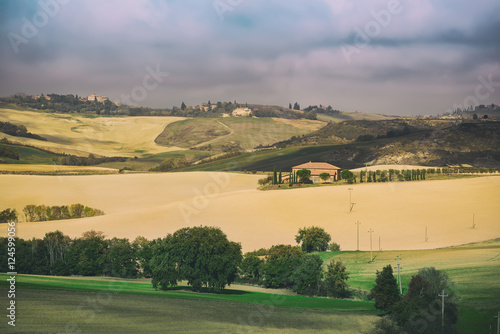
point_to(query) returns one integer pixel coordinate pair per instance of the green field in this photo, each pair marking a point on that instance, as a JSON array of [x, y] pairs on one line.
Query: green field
[[28, 155], [47, 304]]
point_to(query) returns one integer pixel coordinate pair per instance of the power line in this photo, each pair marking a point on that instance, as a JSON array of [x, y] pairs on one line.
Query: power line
[[357, 248], [498, 322], [371, 248], [442, 295], [399, 275]]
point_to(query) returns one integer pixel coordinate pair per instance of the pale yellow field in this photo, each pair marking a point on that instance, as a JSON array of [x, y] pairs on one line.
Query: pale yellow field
[[53, 168], [110, 136], [153, 205]]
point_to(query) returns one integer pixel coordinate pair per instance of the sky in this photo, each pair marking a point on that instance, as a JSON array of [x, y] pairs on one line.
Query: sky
[[408, 57]]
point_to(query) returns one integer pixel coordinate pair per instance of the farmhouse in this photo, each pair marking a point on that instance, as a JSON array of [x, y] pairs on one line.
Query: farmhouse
[[317, 168]]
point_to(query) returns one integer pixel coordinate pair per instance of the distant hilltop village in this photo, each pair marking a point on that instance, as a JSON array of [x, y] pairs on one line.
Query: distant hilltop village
[[92, 97]]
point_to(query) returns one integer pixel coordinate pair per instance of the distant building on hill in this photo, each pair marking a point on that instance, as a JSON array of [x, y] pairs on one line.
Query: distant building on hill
[[318, 168], [98, 98]]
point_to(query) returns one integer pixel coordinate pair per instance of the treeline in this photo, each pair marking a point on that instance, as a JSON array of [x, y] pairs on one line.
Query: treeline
[[34, 213], [414, 174], [18, 131], [89, 255], [73, 160], [8, 153]]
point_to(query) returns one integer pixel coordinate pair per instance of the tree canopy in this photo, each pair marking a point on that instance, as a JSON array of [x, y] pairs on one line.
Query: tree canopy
[[303, 174], [385, 292], [201, 255], [313, 239]]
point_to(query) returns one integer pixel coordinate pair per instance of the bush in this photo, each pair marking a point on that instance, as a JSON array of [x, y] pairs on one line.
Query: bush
[[265, 180], [334, 247]]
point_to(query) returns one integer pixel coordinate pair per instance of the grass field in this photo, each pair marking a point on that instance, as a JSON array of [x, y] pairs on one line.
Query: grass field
[[353, 116], [239, 132], [80, 135], [47, 304]]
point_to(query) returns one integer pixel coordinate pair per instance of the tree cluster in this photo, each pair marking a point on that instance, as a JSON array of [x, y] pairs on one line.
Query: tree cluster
[[288, 267], [419, 310], [8, 215], [7, 152], [18, 131], [89, 255], [203, 256], [170, 164], [91, 160], [34, 213]]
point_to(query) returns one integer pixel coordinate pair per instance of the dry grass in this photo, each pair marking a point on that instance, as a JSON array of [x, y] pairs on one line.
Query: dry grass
[[156, 204], [110, 136]]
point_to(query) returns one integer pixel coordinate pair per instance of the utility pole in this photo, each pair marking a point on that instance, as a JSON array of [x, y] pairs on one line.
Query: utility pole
[[371, 249], [498, 322], [442, 295], [357, 248], [399, 275], [351, 204], [426, 238], [379, 248], [473, 222]]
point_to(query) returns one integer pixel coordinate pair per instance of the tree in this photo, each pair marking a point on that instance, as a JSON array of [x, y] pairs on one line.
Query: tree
[[348, 176], [324, 176], [122, 259], [201, 255], [275, 175], [57, 246], [303, 174], [313, 239], [90, 252], [335, 280], [183, 105], [281, 261], [296, 106], [251, 266], [289, 106], [306, 276], [420, 310], [385, 292], [8, 215], [280, 178]]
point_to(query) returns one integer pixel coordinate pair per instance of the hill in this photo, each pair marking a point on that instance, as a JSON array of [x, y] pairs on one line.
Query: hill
[[441, 143], [233, 133]]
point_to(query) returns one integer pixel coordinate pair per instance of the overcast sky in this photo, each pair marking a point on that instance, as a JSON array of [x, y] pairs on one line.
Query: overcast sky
[[408, 57]]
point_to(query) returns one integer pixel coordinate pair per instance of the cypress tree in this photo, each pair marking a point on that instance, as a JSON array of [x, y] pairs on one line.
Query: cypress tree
[[275, 176], [280, 180], [385, 291]]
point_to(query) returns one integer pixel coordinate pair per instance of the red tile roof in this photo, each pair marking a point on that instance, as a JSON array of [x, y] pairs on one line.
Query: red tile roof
[[316, 165]]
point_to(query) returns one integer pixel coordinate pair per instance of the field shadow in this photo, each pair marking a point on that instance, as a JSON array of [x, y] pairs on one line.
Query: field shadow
[[205, 290]]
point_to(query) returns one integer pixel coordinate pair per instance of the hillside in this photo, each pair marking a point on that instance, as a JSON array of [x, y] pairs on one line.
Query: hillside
[[233, 133]]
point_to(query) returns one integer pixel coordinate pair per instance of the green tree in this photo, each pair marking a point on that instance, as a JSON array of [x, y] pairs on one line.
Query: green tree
[[296, 106], [90, 254], [275, 175], [57, 246], [8, 215], [281, 261], [251, 267], [335, 284], [183, 105], [201, 255], [313, 239], [306, 276], [303, 174], [324, 176], [385, 292], [348, 176], [280, 178], [122, 260]]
